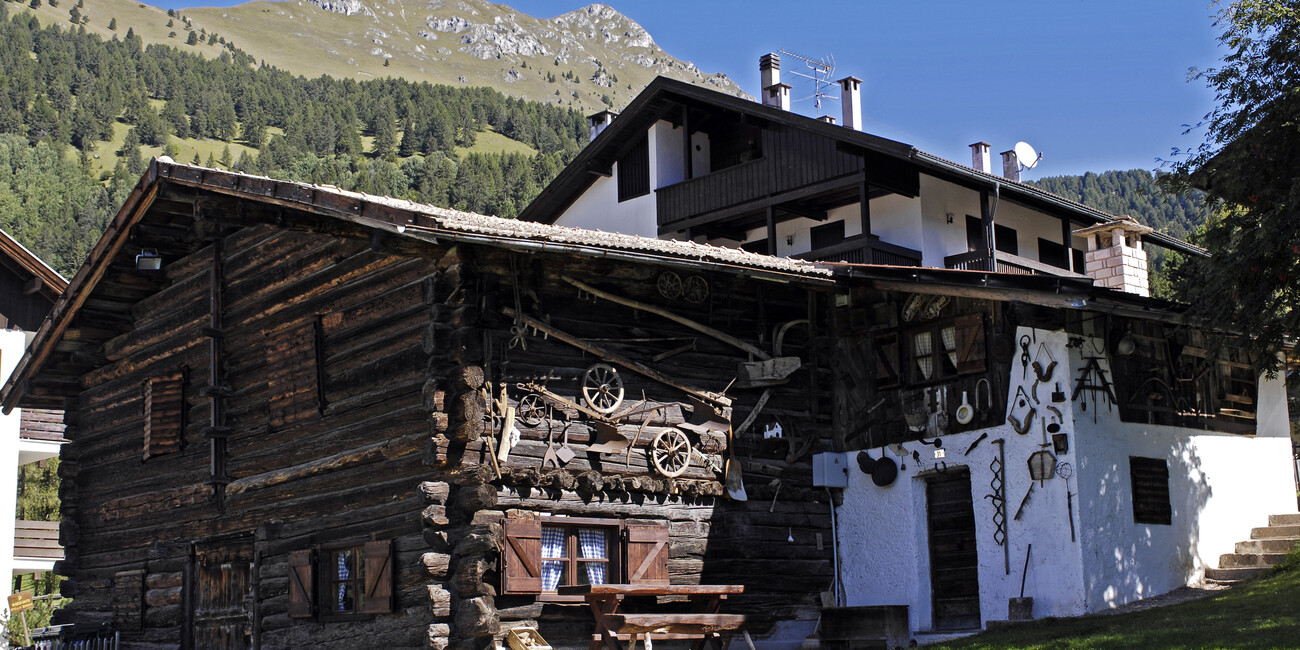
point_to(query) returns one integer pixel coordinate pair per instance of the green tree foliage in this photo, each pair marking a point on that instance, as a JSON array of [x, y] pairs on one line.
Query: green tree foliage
[[74, 15], [112, 24], [38, 491], [192, 39], [1249, 165]]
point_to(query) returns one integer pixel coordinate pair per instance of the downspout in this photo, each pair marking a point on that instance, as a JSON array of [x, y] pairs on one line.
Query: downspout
[[835, 551]]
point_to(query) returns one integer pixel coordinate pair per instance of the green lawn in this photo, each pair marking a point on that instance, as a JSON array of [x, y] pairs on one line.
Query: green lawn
[[1264, 613]]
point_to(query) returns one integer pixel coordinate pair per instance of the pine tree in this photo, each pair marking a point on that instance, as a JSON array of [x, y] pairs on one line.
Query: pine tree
[[112, 24], [192, 39], [197, 160], [35, 4], [225, 157], [74, 15]]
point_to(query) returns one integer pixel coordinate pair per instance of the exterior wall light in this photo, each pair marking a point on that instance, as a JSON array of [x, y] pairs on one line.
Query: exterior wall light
[[148, 260]]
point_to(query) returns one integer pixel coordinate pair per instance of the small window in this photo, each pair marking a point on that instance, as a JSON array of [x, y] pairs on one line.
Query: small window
[[1006, 241], [634, 171], [1079, 264], [164, 414], [1150, 481], [827, 235], [540, 556], [351, 580]]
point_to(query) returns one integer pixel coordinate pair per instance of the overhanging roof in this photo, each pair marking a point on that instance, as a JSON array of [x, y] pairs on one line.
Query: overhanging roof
[[664, 95], [156, 212]]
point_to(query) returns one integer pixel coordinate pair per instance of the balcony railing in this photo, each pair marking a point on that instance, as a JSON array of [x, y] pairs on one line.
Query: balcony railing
[[1004, 263], [37, 540], [865, 249]]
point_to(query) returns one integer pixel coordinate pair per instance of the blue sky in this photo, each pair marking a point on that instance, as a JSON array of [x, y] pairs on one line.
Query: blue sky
[[1094, 85]]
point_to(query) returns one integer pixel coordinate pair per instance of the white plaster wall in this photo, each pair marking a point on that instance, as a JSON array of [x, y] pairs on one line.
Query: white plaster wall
[[897, 219], [883, 530], [1220, 485], [599, 209], [939, 198]]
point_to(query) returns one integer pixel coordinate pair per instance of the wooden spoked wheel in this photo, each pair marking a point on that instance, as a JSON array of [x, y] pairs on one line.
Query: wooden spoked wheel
[[670, 285], [532, 410], [602, 388], [670, 451], [695, 289]]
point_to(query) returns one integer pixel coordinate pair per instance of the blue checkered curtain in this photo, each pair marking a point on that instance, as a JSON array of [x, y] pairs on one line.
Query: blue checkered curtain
[[552, 546], [344, 574], [592, 543]]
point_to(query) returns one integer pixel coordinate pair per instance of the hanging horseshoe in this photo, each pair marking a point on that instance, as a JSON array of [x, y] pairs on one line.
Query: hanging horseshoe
[[670, 451], [602, 388]]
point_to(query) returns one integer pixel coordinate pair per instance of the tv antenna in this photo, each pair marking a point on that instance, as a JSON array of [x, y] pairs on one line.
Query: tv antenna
[[820, 72]]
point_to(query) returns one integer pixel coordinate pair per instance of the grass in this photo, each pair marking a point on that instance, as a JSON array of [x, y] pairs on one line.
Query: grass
[[492, 142], [1264, 613]]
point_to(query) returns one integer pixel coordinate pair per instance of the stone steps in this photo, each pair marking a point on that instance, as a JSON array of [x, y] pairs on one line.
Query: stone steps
[[1267, 547]]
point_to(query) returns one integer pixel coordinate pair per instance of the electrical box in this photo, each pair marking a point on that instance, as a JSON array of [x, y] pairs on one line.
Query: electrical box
[[830, 470]]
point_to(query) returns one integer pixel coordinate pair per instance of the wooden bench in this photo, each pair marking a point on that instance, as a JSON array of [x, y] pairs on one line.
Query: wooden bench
[[690, 624]]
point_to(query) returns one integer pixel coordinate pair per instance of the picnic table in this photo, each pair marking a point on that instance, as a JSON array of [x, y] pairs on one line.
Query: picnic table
[[699, 620]]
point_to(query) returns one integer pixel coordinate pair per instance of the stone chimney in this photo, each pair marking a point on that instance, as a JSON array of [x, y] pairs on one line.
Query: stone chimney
[[599, 121], [774, 92], [851, 101], [1011, 166], [979, 157], [1116, 259]]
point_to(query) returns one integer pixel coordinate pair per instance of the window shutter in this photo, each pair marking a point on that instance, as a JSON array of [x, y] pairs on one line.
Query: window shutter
[[301, 603], [887, 374], [378, 576], [164, 408], [522, 557], [647, 555], [292, 377], [971, 355], [128, 600], [1149, 478]]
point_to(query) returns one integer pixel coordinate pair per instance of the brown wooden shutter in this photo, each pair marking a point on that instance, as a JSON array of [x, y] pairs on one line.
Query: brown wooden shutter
[[292, 376], [301, 601], [164, 414], [647, 555], [886, 348], [971, 355], [378, 576], [522, 557]]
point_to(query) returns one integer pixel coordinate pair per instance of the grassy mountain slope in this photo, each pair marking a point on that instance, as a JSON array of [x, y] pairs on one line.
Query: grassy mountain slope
[[590, 58]]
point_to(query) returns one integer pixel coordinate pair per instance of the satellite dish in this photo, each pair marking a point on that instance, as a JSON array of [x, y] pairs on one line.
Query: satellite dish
[[1026, 155]]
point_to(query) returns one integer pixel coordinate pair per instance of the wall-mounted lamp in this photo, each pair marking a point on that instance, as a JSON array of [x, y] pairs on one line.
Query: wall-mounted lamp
[[950, 216], [1126, 345], [789, 240], [148, 260]]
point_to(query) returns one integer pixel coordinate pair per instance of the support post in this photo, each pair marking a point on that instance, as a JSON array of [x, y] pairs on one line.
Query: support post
[[864, 207], [771, 230]]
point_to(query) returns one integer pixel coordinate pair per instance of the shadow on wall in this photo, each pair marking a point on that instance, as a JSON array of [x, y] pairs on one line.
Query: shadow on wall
[[1126, 560]]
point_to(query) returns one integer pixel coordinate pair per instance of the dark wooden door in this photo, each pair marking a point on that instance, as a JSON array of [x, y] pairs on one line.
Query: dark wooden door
[[223, 595], [954, 565]]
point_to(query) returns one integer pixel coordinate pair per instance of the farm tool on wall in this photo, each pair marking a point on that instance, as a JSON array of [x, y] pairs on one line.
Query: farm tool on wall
[[768, 370], [998, 484]]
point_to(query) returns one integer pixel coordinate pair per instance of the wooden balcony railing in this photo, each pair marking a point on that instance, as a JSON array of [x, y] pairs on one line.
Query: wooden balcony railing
[[865, 249], [37, 540], [1004, 263]]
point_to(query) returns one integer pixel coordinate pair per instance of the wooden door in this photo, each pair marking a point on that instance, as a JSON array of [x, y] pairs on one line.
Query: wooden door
[[954, 565], [223, 595]]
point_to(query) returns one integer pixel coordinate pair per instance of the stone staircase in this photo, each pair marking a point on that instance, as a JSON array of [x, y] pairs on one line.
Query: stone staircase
[[1267, 547]]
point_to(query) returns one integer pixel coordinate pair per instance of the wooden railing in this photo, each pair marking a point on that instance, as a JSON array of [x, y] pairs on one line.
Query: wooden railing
[[41, 424], [712, 191], [865, 249], [37, 540], [1004, 263]]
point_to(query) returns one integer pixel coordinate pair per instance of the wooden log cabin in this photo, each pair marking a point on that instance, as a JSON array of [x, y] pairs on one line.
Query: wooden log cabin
[[304, 417]]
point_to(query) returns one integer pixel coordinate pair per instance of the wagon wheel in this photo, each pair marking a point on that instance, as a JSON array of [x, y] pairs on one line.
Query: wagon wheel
[[695, 289], [671, 452], [670, 285], [531, 410], [602, 388]]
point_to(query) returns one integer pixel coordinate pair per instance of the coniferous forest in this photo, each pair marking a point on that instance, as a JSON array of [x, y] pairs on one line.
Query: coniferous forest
[[63, 91]]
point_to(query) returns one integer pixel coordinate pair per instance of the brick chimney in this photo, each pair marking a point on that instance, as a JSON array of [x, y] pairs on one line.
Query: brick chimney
[[774, 92], [829, 119], [851, 100], [979, 157], [1011, 165], [599, 121], [1116, 259]]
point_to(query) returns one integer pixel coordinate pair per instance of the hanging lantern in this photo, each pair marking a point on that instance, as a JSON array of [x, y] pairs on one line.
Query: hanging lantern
[[1042, 466]]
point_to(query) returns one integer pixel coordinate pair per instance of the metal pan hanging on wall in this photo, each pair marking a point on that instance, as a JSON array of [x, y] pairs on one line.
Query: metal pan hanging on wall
[[883, 470]]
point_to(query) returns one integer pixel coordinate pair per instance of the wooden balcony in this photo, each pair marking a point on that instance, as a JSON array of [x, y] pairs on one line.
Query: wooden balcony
[[1004, 263], [865, 249], [37, 540]]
